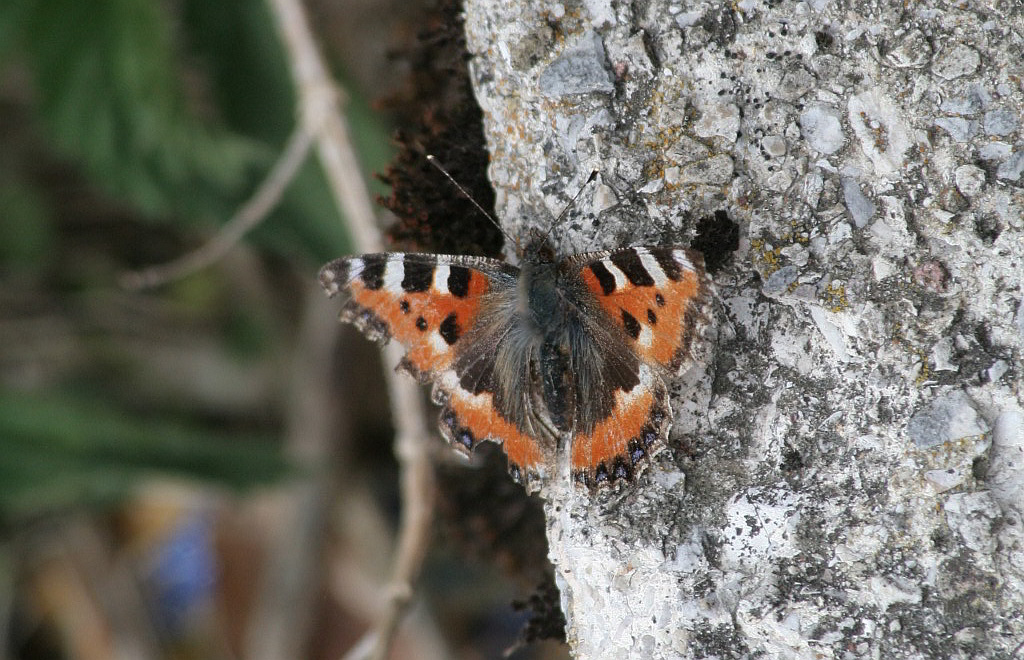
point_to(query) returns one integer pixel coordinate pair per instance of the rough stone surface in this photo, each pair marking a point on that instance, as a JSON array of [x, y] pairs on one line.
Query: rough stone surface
[[970, 179], [822, 129], [960, 129], [579, 69], [1002, 121], [949, 418], [958, 60], [1013, 167], [860, 207], [845, 475]]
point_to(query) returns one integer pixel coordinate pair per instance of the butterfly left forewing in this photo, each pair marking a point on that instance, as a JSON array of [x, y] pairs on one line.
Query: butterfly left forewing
[[433, 305], [425, 302]]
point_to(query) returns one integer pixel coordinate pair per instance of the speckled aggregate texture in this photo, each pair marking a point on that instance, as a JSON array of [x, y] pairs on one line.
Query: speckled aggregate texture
[[846, 477]]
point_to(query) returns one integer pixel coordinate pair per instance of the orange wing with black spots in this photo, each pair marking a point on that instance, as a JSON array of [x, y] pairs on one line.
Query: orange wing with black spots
[[519, 357], [618, 445], [425, 302], [658, 297], [429, 303]]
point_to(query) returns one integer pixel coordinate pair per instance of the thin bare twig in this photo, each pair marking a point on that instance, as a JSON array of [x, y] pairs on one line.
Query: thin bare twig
[[248, 216], [417, 487], [319, 105], [283, 614], [364, 647]]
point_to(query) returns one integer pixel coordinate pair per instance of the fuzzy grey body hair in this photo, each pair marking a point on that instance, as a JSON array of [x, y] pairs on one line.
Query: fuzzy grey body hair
[[551, 343]]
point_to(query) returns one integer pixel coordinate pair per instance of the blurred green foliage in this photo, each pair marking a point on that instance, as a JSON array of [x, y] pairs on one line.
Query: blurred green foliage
[[111, 96], [26, 226], [172, 113], [59, 449], [180, 116]]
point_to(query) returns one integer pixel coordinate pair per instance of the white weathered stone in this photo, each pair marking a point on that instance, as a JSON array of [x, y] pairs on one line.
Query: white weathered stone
[[955, 62], [860, 207], [719, 119], [970, 179], [832, 499], [822, 129]]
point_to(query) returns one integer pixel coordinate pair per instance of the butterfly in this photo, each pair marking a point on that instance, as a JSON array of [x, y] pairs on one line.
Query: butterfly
[[553, 355]]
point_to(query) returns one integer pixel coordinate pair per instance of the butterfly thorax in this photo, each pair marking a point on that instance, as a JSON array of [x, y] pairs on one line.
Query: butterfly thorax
[[549, 308], [539, 300]]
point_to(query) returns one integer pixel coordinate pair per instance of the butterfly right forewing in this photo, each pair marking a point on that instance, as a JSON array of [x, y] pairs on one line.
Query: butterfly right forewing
[[659, 295]]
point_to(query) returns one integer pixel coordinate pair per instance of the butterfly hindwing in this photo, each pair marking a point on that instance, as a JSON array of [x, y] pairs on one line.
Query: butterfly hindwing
[[468, 418], [619, 445]]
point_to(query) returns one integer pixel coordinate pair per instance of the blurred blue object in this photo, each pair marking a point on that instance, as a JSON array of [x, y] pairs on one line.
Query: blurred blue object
[[184, 573]]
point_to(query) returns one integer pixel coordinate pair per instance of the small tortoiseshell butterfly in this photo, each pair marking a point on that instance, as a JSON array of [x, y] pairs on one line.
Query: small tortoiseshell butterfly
[[578, 348]]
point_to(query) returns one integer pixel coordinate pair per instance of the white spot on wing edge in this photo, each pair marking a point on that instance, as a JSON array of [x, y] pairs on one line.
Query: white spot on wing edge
[[394, 273], [355, 267], [437, 343], [679, 256], [449, 382], [646, 384], [441, 273], [329, 279], [620, 277], [646, 338], [653, 269]]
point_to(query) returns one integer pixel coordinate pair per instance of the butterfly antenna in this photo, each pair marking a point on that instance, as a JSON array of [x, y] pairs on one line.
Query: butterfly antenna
[[572, 202], [433, 161]]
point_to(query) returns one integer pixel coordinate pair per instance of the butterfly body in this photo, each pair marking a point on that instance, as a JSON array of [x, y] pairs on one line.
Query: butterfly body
[[556, 355]]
